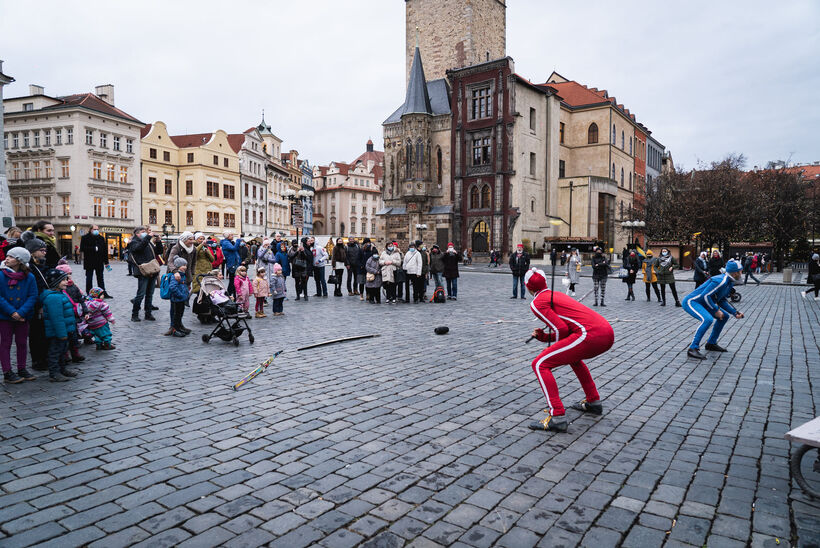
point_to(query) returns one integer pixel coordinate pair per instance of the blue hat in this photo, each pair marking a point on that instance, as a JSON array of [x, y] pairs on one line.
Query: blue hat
[[733, 266]]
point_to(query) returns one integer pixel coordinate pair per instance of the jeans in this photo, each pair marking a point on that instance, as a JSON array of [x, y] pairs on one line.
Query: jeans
[[438, 280], [145, 289], [177, 310], [518, 280], [319, 278], [277, 304], [89, 273], [352, 272], [17, 332], [452, 287], [56, 355], [749, 273]]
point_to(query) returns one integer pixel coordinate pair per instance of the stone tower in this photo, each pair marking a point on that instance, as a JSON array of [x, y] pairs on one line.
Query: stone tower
[[454, 33]]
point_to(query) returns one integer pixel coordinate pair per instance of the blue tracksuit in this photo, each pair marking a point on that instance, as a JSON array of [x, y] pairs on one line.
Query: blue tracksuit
[[704, 302]]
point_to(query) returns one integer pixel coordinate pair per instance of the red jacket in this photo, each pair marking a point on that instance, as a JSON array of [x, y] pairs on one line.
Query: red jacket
[[567, 316]]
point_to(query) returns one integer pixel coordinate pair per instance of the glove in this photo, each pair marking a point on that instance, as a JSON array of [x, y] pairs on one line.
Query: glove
[[544, 336]]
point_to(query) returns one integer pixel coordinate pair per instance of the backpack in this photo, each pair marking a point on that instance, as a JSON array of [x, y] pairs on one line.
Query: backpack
[[165, 286], [439, 296], [220, 258]]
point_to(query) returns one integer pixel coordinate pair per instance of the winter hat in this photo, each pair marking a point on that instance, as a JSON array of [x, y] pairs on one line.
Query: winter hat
[[450, 244], [648, 252], [418, 243], [198, 235], [63, 268], [54, 277], [186, 236], [35, 244], [535, 280], [96, 292], [265, 242], [277, 268], [520, 246], [815, 257], [179, 262], [441, 330], [733, 266], [20, 253]]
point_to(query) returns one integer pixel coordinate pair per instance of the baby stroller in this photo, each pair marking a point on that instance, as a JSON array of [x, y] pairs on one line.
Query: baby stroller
[[203, 305], [231, 321], [734, 296]]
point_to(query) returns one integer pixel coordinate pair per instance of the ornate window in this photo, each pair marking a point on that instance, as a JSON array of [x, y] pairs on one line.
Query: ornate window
[[592, 133], [613, 172], [480, 106], [622, 140], [474, 203], [613, 135], [485, 197], [438, 166]]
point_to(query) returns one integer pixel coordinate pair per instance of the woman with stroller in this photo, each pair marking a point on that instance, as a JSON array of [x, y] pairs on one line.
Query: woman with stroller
[[203, 263]]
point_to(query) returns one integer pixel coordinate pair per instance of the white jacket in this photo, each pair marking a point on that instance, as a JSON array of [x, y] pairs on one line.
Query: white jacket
[[388, 270], [412, 262]]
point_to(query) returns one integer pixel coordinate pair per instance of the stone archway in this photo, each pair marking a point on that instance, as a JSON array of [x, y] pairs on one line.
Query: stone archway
[[480, 237]]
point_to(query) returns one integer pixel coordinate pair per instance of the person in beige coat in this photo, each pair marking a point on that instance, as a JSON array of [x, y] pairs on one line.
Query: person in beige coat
[[389, 261]]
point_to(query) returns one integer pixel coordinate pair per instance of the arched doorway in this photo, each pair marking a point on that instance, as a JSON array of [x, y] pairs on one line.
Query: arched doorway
[[481, 237]]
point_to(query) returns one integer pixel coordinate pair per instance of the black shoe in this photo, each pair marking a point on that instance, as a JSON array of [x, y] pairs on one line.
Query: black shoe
[[107, 296], [695, 353], [178, 334], [39, 366], [150, 317], [68, 373], [185, 330], [135, 318], [677, 303], [12, 378], [523, 297], [317, 294], [154, 307], [297, 298], [25, 375], [595, 407], [306, 298], [627, 298], [602, 303], [715, 348], [57, 377], [595, 303], [77, 358], [514, 297], [552, 424], [663, 303]]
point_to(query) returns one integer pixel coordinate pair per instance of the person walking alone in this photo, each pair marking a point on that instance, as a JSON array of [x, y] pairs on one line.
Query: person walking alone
[[573, 271], [631, 266], [519, 265], [450, 261], [813, 277], [600, 273], [95, 258], [749, 265]]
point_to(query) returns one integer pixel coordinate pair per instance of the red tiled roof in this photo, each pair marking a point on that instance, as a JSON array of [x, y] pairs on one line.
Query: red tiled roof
[[809, 171], [145, 130], [377, 156], [576, 95], [192, 140], [91, 102], [236, 140]]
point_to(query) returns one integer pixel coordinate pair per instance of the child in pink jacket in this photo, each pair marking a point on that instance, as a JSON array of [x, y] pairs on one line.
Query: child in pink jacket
[[244, 288]]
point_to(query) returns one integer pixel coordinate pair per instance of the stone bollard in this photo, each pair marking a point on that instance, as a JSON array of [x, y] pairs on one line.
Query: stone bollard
[[787, 275]]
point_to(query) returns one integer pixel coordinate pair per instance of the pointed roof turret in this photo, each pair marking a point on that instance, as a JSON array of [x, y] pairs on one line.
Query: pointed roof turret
[[417, 100], [264, 128]]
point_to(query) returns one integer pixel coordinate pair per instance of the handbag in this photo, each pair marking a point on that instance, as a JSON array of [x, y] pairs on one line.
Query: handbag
[[623, 273], [299, 263], [332, 279], [370, 277]]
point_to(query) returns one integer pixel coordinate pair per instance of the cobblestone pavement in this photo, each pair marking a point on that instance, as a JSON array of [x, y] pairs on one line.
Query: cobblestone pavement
[[416, 438]]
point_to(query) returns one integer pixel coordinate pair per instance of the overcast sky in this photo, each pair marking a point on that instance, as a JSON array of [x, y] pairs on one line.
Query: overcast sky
[[708, 78]]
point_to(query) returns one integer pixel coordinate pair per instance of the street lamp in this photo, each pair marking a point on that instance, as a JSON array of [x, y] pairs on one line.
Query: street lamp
[[632, 225], [294, 196], [421, 228]]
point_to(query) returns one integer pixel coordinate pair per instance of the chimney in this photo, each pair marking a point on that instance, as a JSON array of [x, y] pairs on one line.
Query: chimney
[[106, 93], [369, 145], [34, 89]]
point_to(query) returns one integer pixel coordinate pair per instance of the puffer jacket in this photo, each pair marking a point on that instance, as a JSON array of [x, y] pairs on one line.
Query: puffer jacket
[[20, 297], [436, 262], [58, 314], [177, 250], [600, 266], [412, 262], [450, 261], [666, 269], [372, 267], [389, 270], [279, 287]]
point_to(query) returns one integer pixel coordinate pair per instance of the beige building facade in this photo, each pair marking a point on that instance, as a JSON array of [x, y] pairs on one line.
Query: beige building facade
[[190, 182]]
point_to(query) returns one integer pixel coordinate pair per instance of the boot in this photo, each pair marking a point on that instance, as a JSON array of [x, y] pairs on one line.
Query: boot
[[552, 424], [149, 317], [593, 407], [76, 357], [602, 302], [184, 329], [57, 377], [695, 353], [11, 377], [135, 318]]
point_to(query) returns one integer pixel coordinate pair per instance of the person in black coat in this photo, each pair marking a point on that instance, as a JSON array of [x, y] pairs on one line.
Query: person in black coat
[[519, 264], [450, 260], [600, 273], [95, 257], [36, 329], [813, 277], [354, 257], [701, 269], [715, 264], [632, 265], [141, 250]]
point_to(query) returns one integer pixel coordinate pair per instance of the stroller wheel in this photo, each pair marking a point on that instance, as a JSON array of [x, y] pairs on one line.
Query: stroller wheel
[[235, 341], [205, 338], [250, 339]]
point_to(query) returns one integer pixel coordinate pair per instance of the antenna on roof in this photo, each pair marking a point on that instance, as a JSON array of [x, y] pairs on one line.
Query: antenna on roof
[[417, 36]]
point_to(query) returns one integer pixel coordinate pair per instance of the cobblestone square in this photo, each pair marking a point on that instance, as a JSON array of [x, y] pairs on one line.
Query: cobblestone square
[[417, 439]]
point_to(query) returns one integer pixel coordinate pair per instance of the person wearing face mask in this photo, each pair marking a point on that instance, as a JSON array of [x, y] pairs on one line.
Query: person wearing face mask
[[666, 275], [203, 263], [600, 273], [701, 269], [519, 265], [631, 266], [425, 268], [373, 277], [412, 265], [141, 251], [185, 248], [37, 331], [450, 261], [437, 265], [390, 261], [95, 258], [650, 275]]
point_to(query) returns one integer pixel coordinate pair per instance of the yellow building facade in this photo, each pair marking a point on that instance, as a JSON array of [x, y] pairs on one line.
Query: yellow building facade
[[189, 182]]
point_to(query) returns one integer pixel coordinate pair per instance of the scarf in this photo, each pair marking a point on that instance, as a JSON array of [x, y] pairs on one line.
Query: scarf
[[51, 240], [12, 275], [187, 248]]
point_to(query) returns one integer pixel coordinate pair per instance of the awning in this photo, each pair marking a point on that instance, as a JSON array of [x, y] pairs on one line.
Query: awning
[[384, 211], [398, 211], [441, 210]]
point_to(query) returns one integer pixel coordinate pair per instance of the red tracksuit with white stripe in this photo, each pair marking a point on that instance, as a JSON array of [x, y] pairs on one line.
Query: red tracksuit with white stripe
[[579, 333]]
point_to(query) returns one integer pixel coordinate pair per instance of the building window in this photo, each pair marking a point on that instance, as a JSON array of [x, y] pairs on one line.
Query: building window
[[253, 216], [26, 171], [89, 136], [111, 208], [228, 192], [47, 203], [630, 146], [18, 210], [481, 151], [216, 160], [353, 226], [66, 206], [613, 172], [169, 217], [152, 153], [28, 107], [373, 227], [189, 188], [561, 132], [98, 207], [36, 138], [189, 218], [592, 133], [532, 164], [103, 140], [69, 136], [123, 174], [562, 168], [622, 177], [168, 187], [47, 166], [480, 103], [474, 199], [25, 139], [532, 119], [190, 157], [613, 135], [27, 206], [64, 172], [5, 141], [622, 140], [152, 184], [15, 140], [38, 210], [123, 209], [246, 191], [109, 173], [152, 216], [225, 162], [230, 220], [46, 138], [96, 170], [485, 197], [254, 192], [212, 190], [630, 180], [15, 171], [166, 156], [129, 146], [58, 136], [532, 206], [36, 168], [247, 216], [117, 144]]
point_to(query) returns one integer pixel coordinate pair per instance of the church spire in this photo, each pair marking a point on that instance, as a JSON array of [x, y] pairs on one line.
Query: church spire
[[417, 100]]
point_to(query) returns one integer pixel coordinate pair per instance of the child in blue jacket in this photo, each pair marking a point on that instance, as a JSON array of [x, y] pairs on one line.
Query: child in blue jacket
[[58, 316], [179, 296], [18, 297]]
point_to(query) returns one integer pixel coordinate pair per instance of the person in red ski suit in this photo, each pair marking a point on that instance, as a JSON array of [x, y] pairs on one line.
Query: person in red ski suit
[[577, 333]]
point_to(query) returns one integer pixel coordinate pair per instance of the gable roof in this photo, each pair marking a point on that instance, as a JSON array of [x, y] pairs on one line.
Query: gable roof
[[91, 102], [191, 141]]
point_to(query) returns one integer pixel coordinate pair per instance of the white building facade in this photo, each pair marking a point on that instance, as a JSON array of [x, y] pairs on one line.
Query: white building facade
[[253, 174], [74, 161]]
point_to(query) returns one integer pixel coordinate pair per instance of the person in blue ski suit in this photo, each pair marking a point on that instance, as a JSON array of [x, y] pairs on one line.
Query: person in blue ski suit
[[709, 303]]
